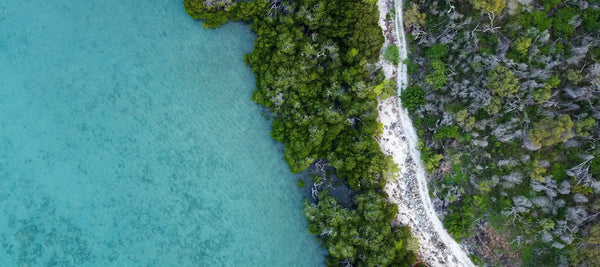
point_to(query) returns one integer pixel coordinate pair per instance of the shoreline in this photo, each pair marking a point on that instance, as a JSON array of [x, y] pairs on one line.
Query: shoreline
[[408, 188]]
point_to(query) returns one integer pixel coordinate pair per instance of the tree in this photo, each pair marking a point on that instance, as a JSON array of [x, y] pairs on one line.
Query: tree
[[413, 18], [438, 51], [412, 97], [362, 236], [539, 19], [591, 19], [213, 13], [548, 131], [544, 93], [584, 127], [459, 221], [446, 132], [494, 106], [521, 47], [562, 22], [574, 76], [438, 77], [550, 4], [495, 6], [463, 119], [588, 253], [502, 81], [538, 172]]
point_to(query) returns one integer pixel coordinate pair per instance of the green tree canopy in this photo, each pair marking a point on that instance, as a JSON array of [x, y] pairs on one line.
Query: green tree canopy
[[548, 131], [495, 6], [502, 81], [412, 97], [349, 240]]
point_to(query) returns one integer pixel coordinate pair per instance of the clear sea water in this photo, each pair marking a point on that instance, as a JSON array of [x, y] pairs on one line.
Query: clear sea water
[[127, 138]]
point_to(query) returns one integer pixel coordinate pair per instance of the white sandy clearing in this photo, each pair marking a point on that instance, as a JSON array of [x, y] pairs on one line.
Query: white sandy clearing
[[408, 188]]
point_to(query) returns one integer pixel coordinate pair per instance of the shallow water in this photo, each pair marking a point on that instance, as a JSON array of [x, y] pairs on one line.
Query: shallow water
[[127, 138]]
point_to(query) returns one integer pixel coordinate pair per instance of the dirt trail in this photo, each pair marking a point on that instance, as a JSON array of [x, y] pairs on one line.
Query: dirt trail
[[408, 189]]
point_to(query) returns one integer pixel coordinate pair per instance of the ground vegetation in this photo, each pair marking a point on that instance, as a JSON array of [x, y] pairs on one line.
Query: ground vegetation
[[508, 125]]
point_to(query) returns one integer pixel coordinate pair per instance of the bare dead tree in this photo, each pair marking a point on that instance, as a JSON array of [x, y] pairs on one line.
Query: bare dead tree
[[514, 213], [452, 8], [314, 190], [582, 171], [491, 28], [320, 166], [274, 6]]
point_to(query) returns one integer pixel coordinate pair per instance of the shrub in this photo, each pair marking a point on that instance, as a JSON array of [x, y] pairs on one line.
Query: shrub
[[392, 54], [412, 97]]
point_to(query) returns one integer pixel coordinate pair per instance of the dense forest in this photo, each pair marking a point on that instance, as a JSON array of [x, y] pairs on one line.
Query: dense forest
[[506, 102], [316, 73]]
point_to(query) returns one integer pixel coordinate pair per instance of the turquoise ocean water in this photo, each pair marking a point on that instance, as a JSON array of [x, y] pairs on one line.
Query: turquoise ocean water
[[127, 138]]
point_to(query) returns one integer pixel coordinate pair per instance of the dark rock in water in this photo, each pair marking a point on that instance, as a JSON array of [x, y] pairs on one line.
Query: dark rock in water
[[322, 177]]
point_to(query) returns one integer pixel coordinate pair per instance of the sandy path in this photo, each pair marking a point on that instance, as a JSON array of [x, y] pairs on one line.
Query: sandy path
[[408, 189]]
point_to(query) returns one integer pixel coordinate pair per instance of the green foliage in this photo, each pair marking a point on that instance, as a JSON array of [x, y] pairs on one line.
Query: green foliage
[[412, 97], [562, 22], [559, 171], [437, 78], [487, 43], [430, 160], [327, 111], [413, 18], [520, 48], [301, 183], [595, 165], [495, 6], [591, 19], [494, 106], [588, 253], [574, 76], [540, 95], [460, 220], [214, 16], [362, 236], [386, 88], [554, 81], [411, 67], [502, 81], [438, 51], [392, 54], [446, 132], [430, 121], [465, 120], [543, 94], [548, 131], [595, 54], [540, 20], [538, 172], [550, 4], [584, 127]]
